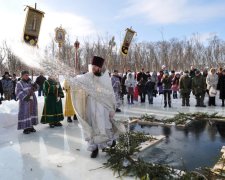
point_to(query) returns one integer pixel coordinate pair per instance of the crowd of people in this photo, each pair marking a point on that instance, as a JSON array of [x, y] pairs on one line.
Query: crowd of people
[[98, 94], [171, 83]]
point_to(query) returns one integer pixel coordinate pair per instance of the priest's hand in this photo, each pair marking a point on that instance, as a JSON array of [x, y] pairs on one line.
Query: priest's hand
[[58, 99], [57, 85]]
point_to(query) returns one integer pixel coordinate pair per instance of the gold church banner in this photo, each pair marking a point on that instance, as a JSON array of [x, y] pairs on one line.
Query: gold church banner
[[32, 26], [127, 41]]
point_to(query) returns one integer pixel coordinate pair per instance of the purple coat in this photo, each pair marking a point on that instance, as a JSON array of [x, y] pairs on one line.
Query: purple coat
[[28, 113]]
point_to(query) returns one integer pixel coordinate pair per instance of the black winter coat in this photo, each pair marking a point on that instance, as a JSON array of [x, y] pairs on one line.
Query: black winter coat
[[1, 88], [40, 80], [221, 86]]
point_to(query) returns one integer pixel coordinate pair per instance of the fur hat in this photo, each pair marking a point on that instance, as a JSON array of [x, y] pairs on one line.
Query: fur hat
[[98, 61]]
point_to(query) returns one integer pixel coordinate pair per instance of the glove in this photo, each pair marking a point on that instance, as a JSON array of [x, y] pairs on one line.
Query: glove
[[111, 114], [27, 98]]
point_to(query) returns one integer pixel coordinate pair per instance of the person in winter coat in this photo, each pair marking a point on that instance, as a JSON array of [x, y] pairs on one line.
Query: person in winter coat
[[167, 82], [212, 81], [28, 107], [141, 89], [7, 86], [205, 74], [221, 86], [69, 110], [199, 88], [220, 71], [142, 75], [14, 80], [150, 87], [160, 76], [123, 86], [40, 81], [154, 78], [130, 83], [142, 78], [53, 110], [192, 72], [185, 88], [1, 92], [175, 85], [116, 84]]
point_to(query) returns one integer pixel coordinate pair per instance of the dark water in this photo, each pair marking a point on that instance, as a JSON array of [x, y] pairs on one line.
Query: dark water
[[196, 146]]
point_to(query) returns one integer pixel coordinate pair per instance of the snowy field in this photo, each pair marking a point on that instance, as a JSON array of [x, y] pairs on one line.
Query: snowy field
[[60, 153]]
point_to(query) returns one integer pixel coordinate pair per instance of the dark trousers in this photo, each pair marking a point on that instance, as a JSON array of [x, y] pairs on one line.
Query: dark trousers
[[130, 98], [200, 99], [222, 102], [40, 90], [212, 101], [167, 97], [185, 99], [150, 97], [142, 96], [175, 95]]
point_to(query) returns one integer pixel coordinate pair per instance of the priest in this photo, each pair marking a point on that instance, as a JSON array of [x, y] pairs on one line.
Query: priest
[[95, 105], [52, 111], [28, 112], [68, 107]]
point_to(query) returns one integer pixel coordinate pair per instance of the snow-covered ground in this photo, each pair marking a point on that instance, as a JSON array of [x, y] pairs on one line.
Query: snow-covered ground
[[60, 153]]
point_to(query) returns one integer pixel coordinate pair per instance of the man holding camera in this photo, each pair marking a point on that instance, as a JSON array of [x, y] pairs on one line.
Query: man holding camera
[[28, 112]]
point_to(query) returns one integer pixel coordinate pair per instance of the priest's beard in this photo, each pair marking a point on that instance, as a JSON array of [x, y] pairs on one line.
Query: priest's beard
[[97, 73]]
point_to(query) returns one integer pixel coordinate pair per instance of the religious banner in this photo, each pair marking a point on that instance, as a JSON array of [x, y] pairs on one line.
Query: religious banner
[[32, 25], [127, 40], [60, 34]]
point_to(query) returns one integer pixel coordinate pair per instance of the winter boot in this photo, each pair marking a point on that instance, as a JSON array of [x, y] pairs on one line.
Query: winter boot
[[58, 124], [32, 129], [51, 125], [74, 117], [118, 110], [26, 131], [165, 104], [113, 144], [94, 153], [69, 120]]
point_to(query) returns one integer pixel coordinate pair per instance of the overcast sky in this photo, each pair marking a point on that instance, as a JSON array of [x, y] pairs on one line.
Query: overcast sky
[[89, 18]]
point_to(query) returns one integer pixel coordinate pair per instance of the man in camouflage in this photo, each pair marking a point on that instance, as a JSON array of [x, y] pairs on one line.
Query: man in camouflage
[[199, 88], [185, 88]]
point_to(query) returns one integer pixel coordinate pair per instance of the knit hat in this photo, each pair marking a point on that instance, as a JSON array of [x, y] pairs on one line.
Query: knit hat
[[24, 72], [98, 61], [197, 72], [166, 72]]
